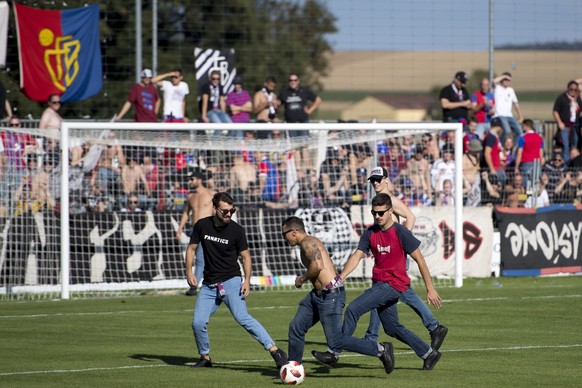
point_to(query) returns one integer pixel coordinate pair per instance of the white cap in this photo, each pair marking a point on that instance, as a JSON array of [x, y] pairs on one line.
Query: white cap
[[146, 73]]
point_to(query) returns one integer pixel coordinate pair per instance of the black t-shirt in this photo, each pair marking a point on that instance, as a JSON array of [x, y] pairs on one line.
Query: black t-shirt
[[454, 115], [295, 102], [221, 248], [214, 93], [562, 106]]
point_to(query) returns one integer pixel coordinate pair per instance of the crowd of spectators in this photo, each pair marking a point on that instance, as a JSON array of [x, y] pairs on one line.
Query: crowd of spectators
[[503, 163]]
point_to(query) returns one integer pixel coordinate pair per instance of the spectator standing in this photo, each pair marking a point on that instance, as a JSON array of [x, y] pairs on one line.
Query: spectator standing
[[443, 169], [212, 100], [483, 107], [492, 152], [567, 109], [455, 100], [419, 172], [50, 123], [174, 92], [471, 177], [530, 153], [239, 104], [505, 101], [198, 205], [144, 98], [223, 241], [265, 102]]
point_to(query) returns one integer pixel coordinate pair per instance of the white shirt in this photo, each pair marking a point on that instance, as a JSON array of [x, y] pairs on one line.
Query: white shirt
[[449, 173], [542, 200], [504, 100], [173, 98]]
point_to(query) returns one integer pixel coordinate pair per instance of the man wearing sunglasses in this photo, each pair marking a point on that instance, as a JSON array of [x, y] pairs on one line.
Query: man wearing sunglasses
[[379, 180], [223, 241], [213, 101], [389, 243]]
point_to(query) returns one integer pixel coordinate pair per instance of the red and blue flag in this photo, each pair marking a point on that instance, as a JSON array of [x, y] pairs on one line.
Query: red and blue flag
[[59, 52]]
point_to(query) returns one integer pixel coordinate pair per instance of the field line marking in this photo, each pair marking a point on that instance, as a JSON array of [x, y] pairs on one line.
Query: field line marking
[[266, 360], [277, 307]]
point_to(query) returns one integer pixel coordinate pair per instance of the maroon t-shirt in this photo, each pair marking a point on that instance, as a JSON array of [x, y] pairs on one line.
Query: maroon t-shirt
[[144, 100], [389, 248]]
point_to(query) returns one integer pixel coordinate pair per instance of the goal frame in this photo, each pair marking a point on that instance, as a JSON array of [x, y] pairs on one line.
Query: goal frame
[[420, 127]]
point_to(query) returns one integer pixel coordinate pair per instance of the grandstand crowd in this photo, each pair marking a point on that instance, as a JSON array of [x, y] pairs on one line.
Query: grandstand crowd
[[502, 165]]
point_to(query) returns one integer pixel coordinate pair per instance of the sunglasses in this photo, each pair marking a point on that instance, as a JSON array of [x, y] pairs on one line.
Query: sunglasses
[[15, 124], [226, 212], [55, 102], [134, 202], [215, 79], [375, 180], [293, 79], [379, 213], [285, 233]]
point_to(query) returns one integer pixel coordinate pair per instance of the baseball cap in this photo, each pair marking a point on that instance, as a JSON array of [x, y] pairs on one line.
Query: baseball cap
[[237, 80], [378, 173], [495, 122], [462, 76], [475, 145], [146, 73], [196, 174]]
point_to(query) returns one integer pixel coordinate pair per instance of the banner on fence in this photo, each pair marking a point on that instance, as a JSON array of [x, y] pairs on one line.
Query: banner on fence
[[541, 242]]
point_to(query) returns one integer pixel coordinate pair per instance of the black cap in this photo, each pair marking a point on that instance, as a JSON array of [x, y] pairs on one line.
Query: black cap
[[495, 122], [378, 173], [196, 174], [237, 80], [462, 76]]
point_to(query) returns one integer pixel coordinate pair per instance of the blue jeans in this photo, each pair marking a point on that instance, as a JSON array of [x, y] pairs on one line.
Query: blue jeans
[[482, 129], [382, 296], [527, 171], [510, 124], [208, 302], [326, 309], [412, 299], [218, 116], [199, 265], [569, 132]]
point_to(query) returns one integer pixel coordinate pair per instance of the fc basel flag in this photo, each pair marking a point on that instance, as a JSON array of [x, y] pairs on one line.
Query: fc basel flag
[[59, 52]]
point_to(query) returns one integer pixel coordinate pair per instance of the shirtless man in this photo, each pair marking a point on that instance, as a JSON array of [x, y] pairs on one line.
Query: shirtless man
[[471, 178], [325, 302], [50, 122], [242, 176], [379, 179], [131, 175], [199, 202], [265, 102]]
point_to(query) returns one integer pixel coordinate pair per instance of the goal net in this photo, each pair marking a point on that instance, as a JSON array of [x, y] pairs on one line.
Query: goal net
[[96, 207]]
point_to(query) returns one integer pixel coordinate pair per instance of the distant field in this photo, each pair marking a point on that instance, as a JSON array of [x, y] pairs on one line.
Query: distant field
[[539, 76], [510, 332]]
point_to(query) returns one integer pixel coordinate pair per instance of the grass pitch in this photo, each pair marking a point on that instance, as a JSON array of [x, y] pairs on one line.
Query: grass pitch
[[516, 332]]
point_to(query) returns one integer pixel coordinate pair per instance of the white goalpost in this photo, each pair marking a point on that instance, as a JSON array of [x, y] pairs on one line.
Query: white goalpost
[[88, 241]]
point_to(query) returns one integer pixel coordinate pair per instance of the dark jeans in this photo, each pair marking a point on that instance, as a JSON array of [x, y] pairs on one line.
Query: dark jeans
[[382, 296], [324, 308]]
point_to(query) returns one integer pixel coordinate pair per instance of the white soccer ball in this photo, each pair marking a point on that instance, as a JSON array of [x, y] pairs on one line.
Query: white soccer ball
[[292, 373]]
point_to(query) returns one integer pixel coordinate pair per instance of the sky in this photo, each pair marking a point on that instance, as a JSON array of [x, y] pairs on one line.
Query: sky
[[451, 25]]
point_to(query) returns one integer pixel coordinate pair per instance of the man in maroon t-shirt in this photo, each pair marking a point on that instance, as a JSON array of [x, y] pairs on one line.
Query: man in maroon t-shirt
[[389, 243], [144, 98], [492, 151]]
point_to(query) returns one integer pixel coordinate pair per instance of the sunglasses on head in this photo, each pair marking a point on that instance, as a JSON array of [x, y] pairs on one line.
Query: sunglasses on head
[[226, 212], [379, 213]]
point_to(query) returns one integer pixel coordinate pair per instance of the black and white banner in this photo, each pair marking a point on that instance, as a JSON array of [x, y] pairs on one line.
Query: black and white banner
[[542, 242], [208, 60]]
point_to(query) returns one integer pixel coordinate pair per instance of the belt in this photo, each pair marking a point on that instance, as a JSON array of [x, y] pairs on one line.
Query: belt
[[325, 291]]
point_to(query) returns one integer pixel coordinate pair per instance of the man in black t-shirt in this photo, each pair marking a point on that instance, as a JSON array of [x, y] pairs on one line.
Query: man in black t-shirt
[[455, 100], [299, 102], [223, 241]]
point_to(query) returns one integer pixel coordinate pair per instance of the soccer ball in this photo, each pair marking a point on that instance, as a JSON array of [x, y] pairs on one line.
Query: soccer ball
[[292, 373]]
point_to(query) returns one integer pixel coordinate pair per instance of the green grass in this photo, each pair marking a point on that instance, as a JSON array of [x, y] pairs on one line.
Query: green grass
[[526, 333]]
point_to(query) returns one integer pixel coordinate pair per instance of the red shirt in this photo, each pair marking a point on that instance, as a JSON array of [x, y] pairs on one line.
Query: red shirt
[[389, 248], [531, 143]]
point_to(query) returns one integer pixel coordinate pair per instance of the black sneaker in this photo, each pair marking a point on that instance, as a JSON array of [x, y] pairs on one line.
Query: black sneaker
[[431, 360], [387, 357], [325, 358], [203, 363], [193, 291], [280, 357], [437, 336]]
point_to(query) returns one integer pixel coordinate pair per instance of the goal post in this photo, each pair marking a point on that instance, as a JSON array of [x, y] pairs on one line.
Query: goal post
[[102, 248]]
